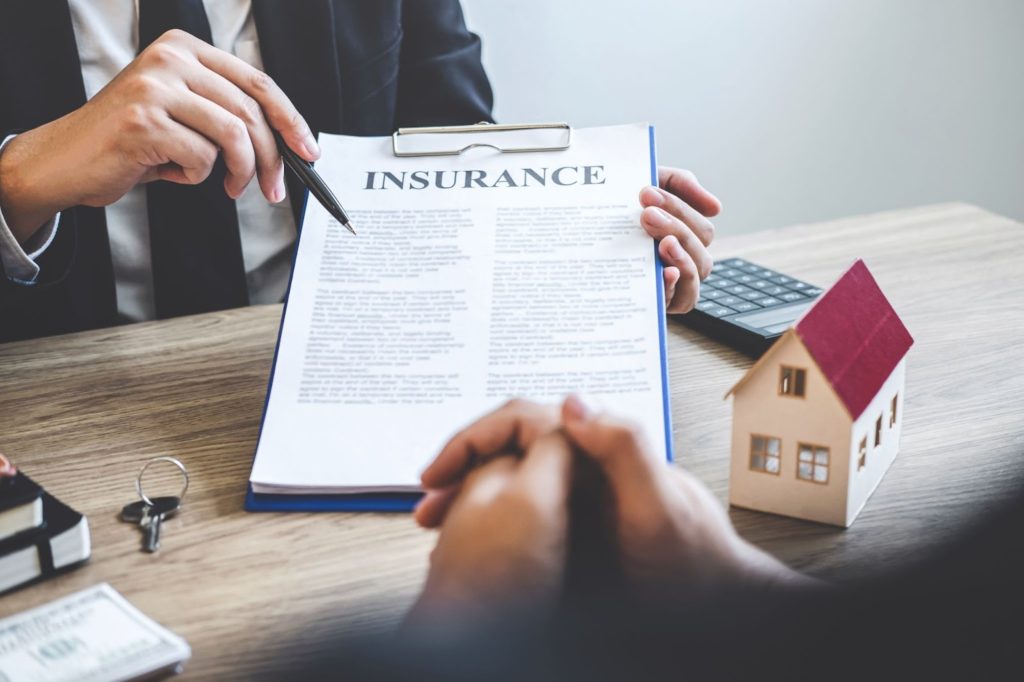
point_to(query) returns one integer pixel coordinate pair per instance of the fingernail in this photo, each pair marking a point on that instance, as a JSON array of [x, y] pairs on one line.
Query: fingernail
[[578, 408], [658, 217], [312, 148], [427, 494], [676, 251], [654, 197], [574, 409], [279, 193]]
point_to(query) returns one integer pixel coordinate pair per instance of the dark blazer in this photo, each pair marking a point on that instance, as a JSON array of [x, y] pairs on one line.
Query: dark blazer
[[358, 67]]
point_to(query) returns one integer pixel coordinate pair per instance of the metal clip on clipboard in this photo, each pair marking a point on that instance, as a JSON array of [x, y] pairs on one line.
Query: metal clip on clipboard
[[547, 137]]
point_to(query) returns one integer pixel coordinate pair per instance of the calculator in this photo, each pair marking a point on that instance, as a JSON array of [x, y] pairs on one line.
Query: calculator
[[747, 306]]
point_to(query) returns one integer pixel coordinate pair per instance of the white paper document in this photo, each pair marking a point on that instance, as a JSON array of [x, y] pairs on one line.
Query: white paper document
[[473, 279]]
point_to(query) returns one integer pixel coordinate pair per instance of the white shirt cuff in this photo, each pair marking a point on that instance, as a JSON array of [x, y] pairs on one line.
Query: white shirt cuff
[[19, 260]]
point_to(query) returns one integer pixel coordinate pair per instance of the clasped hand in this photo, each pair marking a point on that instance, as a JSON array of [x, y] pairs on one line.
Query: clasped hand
[[499, 492]]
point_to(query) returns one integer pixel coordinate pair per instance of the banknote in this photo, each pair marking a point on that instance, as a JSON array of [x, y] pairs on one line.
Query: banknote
[[91, 636]]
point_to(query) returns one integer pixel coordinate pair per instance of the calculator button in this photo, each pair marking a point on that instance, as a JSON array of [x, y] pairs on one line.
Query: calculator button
[[729, 300], [752, 296], [746, 279], [791, 296], [775, 291], [799, 286], [734, 263], [712, 293], [761, 284], [746, 306], [738, 289], [813, 291], [719, 311], [714, 280], [704, 304], [730, 273], [781, 279], [769, 301]]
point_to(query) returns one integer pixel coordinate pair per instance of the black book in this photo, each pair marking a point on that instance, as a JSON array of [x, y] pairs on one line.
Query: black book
[[59, 544], [21, 505]]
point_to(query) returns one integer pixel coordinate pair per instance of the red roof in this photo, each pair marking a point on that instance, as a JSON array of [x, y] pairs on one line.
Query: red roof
[[855, 336]]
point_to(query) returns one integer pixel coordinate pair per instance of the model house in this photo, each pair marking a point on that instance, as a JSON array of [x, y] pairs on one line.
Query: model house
[[817, 420]]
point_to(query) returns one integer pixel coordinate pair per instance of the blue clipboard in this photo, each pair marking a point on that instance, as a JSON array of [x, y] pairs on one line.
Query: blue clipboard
[[404, 502]]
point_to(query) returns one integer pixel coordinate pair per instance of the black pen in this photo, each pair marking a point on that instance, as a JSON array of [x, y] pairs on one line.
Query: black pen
[[314, 183]]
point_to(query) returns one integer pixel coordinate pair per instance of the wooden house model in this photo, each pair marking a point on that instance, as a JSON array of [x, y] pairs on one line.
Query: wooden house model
[[817, 420]]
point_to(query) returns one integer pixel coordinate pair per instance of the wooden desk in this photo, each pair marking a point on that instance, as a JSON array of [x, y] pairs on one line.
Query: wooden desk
[[80, 413]]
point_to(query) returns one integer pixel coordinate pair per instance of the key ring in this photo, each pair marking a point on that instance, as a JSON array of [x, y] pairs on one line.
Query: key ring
[[169, 460]]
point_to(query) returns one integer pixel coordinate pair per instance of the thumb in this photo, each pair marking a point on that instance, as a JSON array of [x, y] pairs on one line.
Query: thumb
[[617, 446]]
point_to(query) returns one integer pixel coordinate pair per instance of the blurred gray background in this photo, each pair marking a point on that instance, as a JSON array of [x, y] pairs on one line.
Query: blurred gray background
[[790, 110]]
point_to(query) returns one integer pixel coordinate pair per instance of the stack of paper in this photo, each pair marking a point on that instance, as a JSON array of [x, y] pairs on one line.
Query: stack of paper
[[93, 635]]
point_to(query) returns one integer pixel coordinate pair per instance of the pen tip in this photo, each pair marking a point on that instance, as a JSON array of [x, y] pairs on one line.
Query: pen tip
[[348, 226]]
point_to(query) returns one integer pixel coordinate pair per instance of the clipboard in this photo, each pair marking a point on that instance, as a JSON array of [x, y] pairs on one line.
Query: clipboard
[[479, 135], [441, 141]]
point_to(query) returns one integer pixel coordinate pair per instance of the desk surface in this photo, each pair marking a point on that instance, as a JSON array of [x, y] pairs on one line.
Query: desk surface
[[81, 412]]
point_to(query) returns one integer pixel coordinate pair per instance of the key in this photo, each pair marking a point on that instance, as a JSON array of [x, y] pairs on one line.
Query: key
[[138, 513], [151, 542], [719, 311], [150, 518], [162, 508]]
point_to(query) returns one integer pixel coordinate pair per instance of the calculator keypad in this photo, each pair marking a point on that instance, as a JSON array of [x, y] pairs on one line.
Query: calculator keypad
[[738, 286]]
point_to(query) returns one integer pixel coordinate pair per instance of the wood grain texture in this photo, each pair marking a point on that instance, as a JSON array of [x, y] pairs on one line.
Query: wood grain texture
[[81, 413]]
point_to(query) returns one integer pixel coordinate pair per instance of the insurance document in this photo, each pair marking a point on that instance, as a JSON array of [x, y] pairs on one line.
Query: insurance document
[[473, 279]]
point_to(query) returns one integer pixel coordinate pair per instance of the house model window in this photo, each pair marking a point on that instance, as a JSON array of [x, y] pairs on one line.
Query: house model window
[[792, 381], [862, 453], [878, 431], [764, 454], [812, 463], [892, 411]]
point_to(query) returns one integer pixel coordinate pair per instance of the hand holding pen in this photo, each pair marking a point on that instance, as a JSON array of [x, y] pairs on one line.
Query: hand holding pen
[[313, 182]]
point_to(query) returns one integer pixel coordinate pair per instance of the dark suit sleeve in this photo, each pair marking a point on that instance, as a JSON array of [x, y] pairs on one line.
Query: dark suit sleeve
[[54, 265], [441, 77]]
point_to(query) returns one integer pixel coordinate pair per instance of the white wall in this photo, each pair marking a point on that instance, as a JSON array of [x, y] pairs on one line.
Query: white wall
[[791, 110]]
